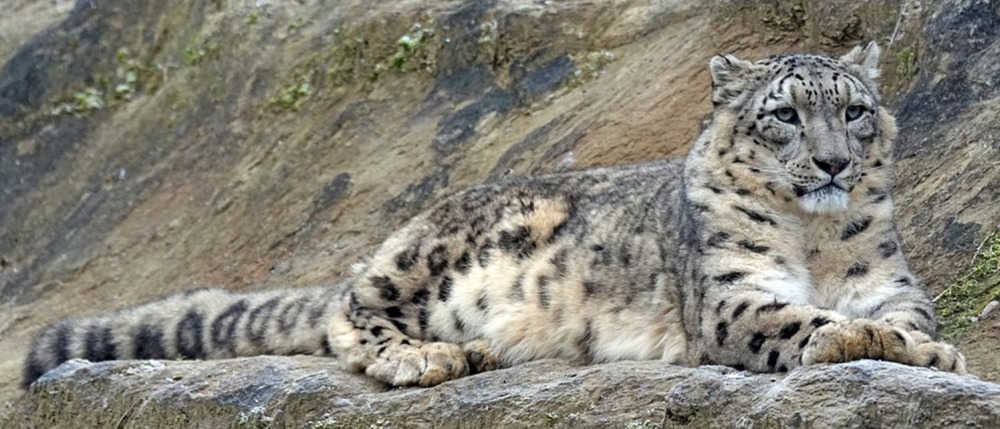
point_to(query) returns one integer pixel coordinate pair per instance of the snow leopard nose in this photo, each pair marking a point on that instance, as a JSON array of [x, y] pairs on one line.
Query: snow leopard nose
[[831, 166]]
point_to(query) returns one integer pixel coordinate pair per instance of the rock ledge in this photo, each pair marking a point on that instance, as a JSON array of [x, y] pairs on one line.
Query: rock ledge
[[312, 392]]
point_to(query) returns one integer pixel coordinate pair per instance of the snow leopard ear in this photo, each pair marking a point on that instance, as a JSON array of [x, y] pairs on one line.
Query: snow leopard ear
[[863, 61], [731, 77]]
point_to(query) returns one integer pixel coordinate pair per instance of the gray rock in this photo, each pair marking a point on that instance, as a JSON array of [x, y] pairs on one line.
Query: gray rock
[[312, 392]]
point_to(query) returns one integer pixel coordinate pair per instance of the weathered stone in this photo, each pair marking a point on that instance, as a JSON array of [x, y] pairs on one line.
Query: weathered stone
[[308, 392]]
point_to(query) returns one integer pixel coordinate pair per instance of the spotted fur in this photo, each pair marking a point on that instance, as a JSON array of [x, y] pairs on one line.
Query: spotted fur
[[770, 247], [195, 324]]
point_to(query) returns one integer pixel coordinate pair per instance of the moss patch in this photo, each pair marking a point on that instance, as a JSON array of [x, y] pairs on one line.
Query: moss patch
[[354, 57], [289, 97], [253, 17], [130, 78], [87, 100], [959, 304], [193, 56], [412, 53], [906, 63]]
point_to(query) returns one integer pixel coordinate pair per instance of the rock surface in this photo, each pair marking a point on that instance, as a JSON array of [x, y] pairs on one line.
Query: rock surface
[[148, 147], [305, 392]]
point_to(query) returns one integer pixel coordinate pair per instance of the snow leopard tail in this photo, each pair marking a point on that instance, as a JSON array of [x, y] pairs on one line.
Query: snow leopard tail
[[196, 324]]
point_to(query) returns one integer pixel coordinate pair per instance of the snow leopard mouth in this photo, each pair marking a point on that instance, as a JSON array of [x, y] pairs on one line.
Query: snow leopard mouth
[[828, 198], [830, 188]]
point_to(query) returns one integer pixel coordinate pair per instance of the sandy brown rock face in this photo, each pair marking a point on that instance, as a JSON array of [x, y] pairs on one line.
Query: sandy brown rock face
[[270, 146], [948, 181]]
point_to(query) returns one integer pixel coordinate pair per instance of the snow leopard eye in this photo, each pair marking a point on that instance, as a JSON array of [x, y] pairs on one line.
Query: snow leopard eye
[[787, 115], [854, 112]]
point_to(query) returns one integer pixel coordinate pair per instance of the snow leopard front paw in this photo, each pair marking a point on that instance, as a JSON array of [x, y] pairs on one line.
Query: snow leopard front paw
[[942, 356], [426, 364], [480, 356], [866, 339]]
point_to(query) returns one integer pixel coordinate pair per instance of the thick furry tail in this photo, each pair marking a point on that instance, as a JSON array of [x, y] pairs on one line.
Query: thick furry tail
[[197, 324]]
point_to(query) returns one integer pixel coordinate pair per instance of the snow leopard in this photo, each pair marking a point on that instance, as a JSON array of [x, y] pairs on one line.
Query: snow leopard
[[771, 246]]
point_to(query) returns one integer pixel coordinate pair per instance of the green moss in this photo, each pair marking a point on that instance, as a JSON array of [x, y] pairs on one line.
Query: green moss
[[906, 63], [590, 65], [193, 56], [488, 40], [253, 17], [411, 50], [127, 79], [291, 96], [112, 89], [126, 89], [355, 59], [959, 304], [88, 100], [121, 55], [376, 71], [297, 23], [342, 60]]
